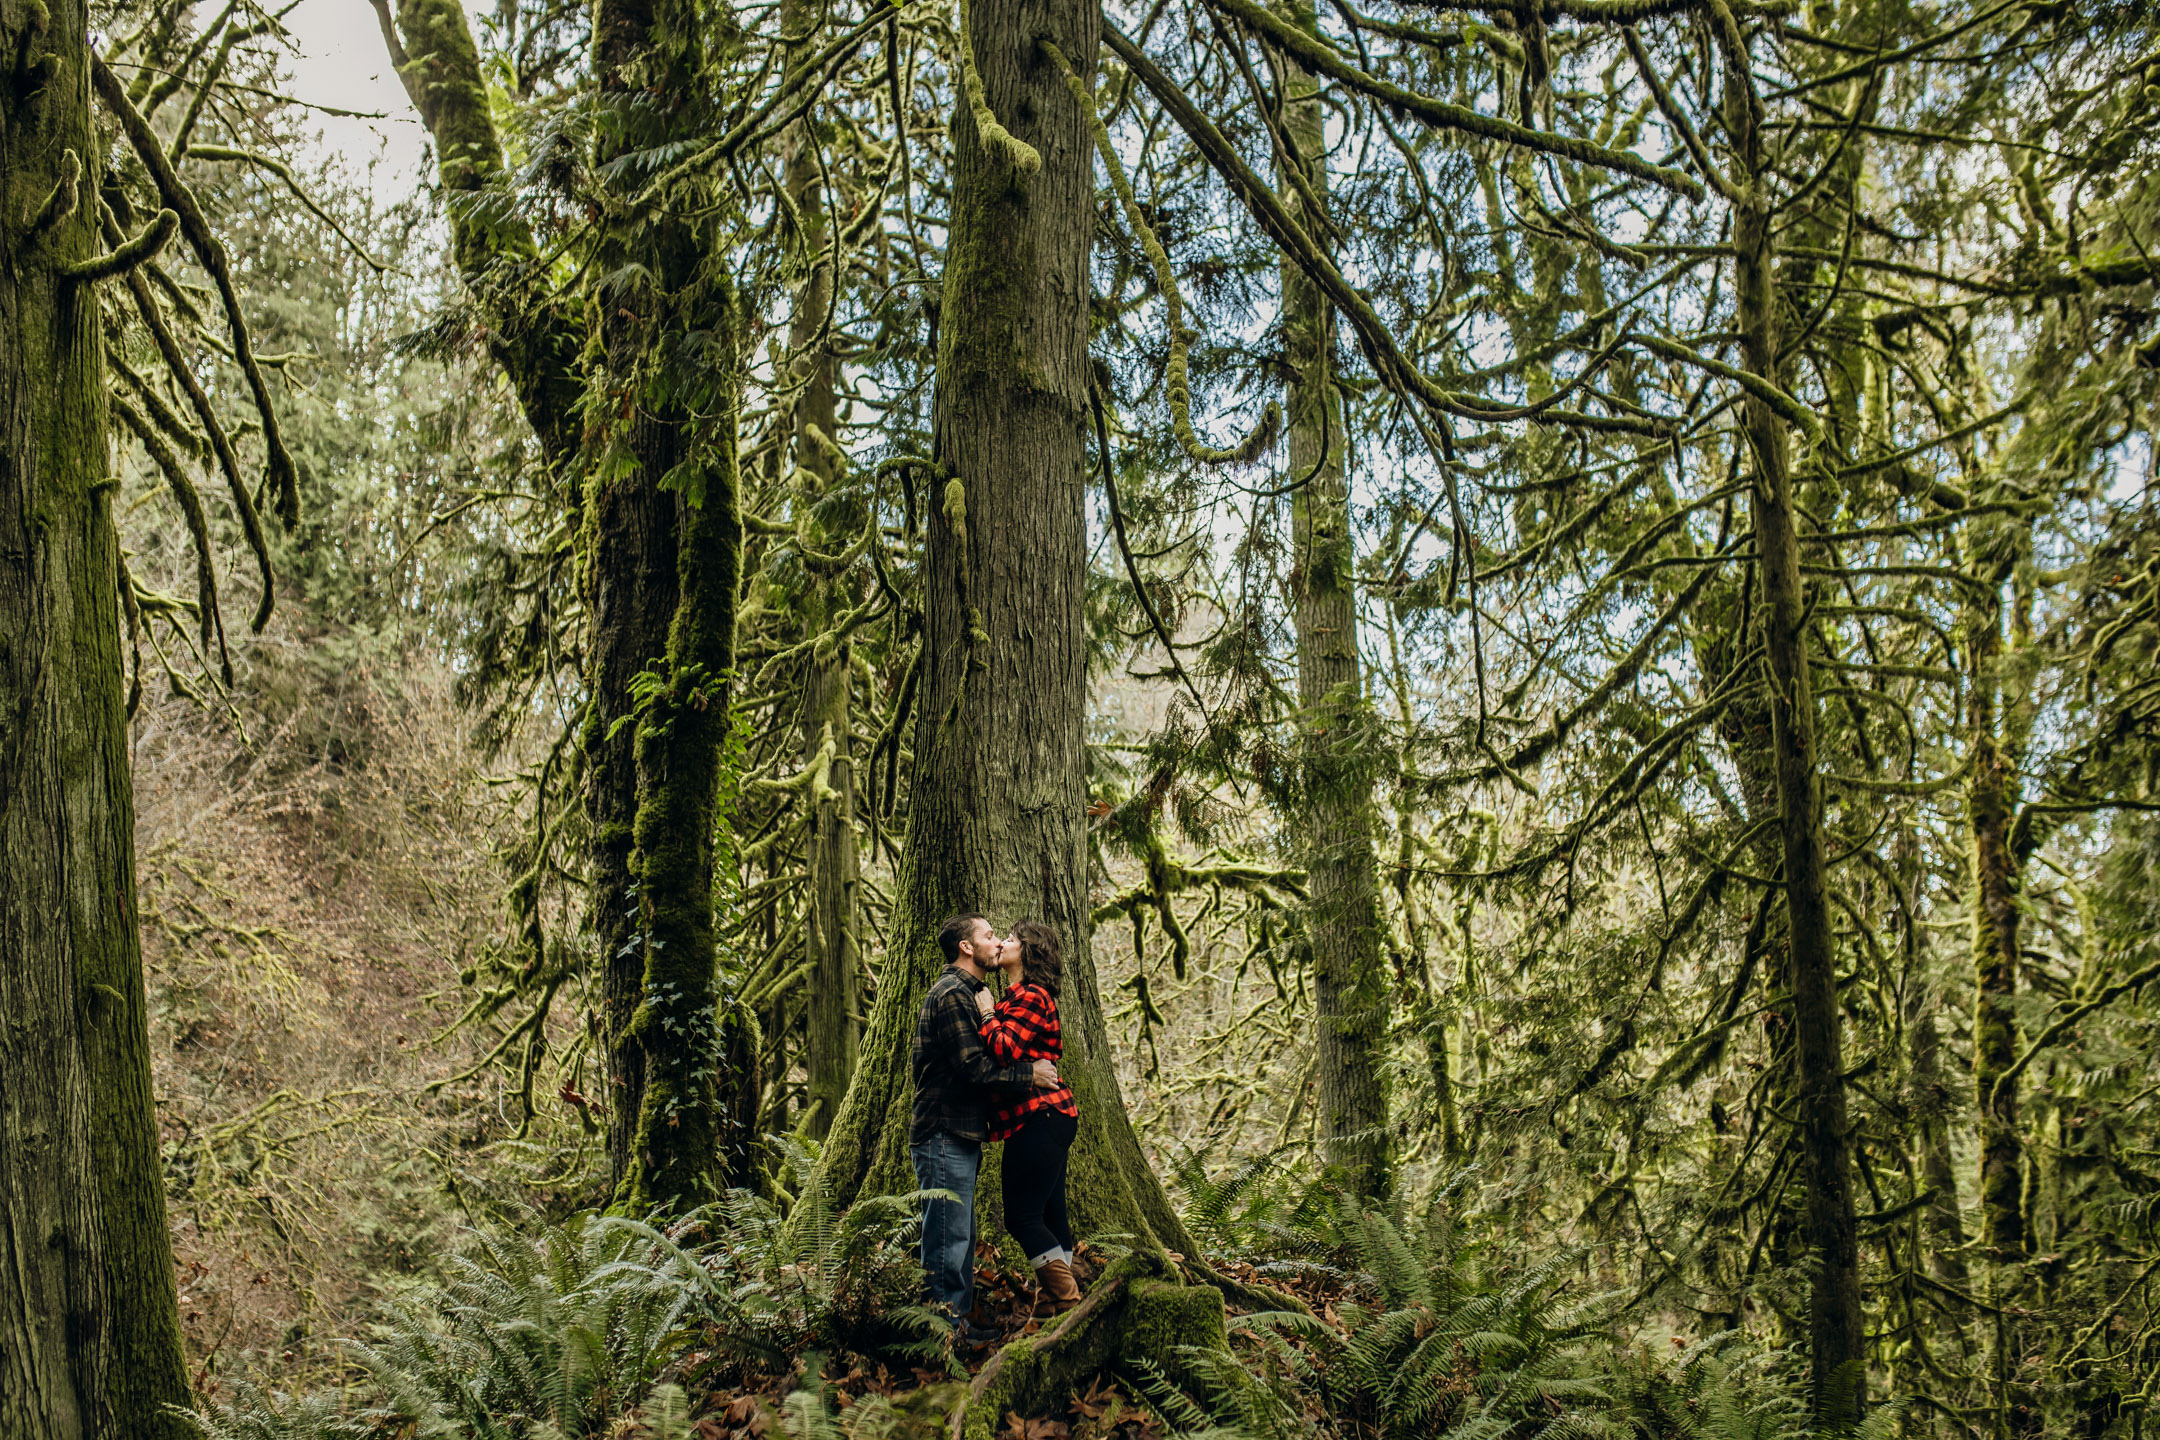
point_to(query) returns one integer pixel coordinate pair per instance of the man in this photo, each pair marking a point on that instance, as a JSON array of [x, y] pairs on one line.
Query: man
[[955, 1081]]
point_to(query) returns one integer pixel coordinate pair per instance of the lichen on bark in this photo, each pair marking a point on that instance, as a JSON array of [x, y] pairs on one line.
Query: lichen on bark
[[89, 1325]]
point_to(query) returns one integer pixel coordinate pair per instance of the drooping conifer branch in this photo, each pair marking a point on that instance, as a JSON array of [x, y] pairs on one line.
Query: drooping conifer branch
[[282, 480]]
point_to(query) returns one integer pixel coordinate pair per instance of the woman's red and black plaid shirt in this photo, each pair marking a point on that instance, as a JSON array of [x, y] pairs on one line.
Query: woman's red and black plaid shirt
[[1022, 1029]]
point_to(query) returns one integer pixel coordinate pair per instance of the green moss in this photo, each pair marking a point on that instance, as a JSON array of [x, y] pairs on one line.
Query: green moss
[[683, 1146], [1160, 1316]]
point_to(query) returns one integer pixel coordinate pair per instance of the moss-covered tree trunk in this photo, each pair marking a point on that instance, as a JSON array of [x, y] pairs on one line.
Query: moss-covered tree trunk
[[1337, 733], [996, 812], [1941, 1222], [1995, 887], [630, 596], [89, 1328], [832, 937], [663, 552], [1837, 1334], [690, 1140], [1995, 728]]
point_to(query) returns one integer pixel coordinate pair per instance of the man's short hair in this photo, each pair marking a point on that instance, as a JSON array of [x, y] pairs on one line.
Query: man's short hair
[[952, 932]]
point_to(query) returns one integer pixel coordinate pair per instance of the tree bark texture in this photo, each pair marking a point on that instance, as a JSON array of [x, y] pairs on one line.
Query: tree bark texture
[[832, 938], [1837, 1336], [630, 596], [690, 1141], [1943, 1221], [1995, 954], [89, 1327], [1337, 749], [996, 815], [1996, 723], [663, 583]]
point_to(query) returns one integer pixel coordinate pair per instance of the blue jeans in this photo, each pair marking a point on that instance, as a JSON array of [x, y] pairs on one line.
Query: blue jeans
[[947, 1162]]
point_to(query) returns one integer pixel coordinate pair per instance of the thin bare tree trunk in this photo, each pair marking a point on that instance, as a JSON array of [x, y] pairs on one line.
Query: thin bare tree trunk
[[1837, 1336]]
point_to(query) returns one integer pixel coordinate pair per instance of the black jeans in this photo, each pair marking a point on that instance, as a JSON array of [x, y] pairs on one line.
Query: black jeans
[[1034, 1173]]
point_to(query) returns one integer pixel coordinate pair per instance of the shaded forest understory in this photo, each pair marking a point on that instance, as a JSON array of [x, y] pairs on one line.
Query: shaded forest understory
[[1559, 601]]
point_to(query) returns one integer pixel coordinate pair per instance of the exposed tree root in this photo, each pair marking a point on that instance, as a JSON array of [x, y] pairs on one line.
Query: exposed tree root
[[1133, 1312]]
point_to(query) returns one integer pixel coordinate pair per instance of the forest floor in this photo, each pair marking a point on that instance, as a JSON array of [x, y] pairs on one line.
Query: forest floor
[[1105, 1407]]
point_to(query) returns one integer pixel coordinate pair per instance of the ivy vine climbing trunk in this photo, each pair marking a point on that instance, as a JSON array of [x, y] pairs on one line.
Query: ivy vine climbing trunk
[[89, 1327], [832, 938], [1837, 1336], [1338, 739], [997, 810]]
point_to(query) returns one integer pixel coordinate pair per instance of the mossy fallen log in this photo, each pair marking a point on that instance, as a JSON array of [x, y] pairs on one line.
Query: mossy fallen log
[[1134, 1312]]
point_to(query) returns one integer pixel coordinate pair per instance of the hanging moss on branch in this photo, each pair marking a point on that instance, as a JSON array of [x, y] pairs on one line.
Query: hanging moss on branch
[[1177, 383], [1024, 158]]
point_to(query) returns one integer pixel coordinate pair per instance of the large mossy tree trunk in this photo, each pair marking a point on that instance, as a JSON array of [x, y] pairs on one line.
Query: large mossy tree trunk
[[692, 1134], [1338, 737], [663, 549], [89, 1326], [997, 809], [631, 590], [832, 936], [1837, 1332]]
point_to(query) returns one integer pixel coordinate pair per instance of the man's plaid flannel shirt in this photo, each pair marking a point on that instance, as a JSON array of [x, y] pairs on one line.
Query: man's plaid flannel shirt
[[1021, 1030], [954, 1070]]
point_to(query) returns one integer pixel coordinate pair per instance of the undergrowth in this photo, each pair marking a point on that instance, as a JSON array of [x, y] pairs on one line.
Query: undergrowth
[[1420, 1324], [567, 1334]]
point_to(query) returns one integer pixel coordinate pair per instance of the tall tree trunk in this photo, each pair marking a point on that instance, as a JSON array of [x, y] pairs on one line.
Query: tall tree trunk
[[832, 936], [1996, 725], [691, 1139], [997, 809], [89, 1326], [663, 548], [1836, 1323], [1338, 734], [1943, 1222], [1995, 954], [630, 597]]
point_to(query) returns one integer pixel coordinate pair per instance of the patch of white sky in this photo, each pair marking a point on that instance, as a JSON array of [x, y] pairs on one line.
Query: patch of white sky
[[363, 123]]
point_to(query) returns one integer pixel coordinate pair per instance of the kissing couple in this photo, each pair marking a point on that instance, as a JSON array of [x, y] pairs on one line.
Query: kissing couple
[[986, 1070]]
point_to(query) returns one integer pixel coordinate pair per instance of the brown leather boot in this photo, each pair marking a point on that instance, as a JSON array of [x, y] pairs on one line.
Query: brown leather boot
[[1060, 1292]]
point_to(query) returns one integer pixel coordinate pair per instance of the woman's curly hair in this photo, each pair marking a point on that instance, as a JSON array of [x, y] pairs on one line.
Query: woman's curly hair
[[1042, 960]]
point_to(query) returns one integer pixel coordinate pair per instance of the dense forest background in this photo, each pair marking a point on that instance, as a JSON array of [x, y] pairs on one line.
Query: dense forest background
[[1561, 598]]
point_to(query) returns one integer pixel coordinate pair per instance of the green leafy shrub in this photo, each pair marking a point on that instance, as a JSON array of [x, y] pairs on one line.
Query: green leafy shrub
[[555, 1336], [770, 1289], [1436, 1332]]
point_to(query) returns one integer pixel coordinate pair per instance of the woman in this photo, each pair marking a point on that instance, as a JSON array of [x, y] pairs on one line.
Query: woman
[[1038, 1128]]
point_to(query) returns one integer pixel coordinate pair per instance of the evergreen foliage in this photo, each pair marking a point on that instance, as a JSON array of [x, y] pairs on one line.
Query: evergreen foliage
[[1634, 779]]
